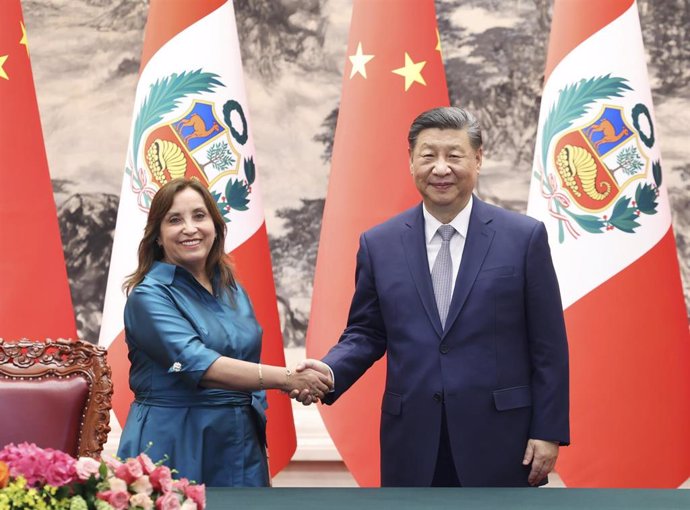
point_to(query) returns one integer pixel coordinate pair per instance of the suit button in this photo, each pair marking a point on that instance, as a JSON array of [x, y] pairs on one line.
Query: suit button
[[438, 397], [444, 348]]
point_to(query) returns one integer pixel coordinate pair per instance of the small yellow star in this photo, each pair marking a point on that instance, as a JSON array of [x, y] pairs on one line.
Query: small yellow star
[[3, 74], [24, 40], [438, 42], [359, 60], [412, 72]]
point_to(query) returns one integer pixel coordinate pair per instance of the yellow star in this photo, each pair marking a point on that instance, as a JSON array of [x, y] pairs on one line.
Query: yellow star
[[359, 60], [438, 42], [24, 40], [3, 74], [412, 72]]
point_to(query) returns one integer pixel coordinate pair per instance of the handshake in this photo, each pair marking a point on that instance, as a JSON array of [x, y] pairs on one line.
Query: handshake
[[310, 381]]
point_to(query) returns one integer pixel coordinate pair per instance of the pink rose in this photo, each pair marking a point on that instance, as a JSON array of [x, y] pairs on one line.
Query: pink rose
[[142, 485], [116, 484], [118, 500], [87, 467], [112, 462], [146, 463], [188, 504], [180, 485], [168, 501], [129, 471], [141, 500], [161, 479], [196, 493]]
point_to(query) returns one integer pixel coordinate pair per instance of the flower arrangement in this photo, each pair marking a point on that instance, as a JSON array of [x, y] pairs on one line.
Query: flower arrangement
[[47, 479]]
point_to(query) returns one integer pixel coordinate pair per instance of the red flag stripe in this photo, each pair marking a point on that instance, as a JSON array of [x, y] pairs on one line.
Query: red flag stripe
[[638, 319], [252, 262], [172, 17], [566, 35]]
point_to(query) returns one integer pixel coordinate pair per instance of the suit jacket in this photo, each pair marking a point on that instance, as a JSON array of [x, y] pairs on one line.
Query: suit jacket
[[500, 367]]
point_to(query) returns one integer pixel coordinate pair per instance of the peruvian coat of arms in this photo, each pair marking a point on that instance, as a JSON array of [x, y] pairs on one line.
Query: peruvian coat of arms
[[200, 143], [597, 174]]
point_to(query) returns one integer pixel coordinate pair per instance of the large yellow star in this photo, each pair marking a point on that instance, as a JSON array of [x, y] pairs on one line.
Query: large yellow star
[[359, 60], [412, 72], [24, 40], [3, 74]]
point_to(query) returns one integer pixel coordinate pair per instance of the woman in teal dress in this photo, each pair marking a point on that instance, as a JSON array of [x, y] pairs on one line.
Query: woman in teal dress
[[194, 347]]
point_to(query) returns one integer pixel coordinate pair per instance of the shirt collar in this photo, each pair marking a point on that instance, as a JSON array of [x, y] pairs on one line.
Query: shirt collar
[[166, 273], [460, 223], [162, 272]]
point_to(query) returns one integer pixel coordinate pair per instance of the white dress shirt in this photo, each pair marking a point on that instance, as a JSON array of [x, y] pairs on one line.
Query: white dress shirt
[[457, 243]]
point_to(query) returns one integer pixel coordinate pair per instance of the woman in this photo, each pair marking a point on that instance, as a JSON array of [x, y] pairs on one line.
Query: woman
[[194, 346]]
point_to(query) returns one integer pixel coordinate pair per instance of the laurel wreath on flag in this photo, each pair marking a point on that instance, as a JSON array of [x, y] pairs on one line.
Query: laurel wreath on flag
[[164, 96], [573, 102]]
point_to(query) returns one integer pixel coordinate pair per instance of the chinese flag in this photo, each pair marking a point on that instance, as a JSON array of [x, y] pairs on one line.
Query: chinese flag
[[191, 110], [598, 186], [35, 298], [393, 72]]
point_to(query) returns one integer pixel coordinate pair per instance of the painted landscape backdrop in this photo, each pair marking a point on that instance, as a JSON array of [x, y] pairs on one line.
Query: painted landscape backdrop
[[85, 56]]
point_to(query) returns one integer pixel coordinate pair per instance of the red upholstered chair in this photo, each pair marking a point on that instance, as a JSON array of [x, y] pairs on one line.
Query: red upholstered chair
[[56, 394]]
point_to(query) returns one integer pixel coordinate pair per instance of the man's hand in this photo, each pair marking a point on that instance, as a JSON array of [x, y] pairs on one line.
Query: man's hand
[[542, 455], [304, 396]]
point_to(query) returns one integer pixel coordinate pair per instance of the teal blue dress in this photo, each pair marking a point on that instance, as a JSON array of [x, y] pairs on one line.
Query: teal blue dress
[[175, 329]]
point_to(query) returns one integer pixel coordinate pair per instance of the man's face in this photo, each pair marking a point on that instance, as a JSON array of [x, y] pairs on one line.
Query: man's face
[[445, 169]]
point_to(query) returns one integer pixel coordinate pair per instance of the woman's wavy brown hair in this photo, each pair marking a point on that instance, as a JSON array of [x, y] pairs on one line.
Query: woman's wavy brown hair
[[150, 251]]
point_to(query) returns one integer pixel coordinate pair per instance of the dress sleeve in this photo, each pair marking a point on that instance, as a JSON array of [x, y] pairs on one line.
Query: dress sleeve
[[155, 325]]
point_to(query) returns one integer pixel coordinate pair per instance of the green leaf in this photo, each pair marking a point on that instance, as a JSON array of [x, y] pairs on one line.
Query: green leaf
[[624, 217], [656, 172], [250, 170], [620, 207], [626, 224], [165, 95], [592, 224], [221, 205], [574, 101], [645, 197], [236, 193]]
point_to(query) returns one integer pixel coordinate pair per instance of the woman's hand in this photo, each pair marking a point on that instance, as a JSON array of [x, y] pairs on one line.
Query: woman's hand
[[309, 381]]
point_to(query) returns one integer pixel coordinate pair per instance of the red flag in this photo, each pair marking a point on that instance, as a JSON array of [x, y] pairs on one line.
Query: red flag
[[35, 298], [191, 107], [598, 185], [393, 72]]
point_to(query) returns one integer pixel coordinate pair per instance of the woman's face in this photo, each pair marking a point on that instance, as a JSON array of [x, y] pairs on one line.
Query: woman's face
[[187, 232]]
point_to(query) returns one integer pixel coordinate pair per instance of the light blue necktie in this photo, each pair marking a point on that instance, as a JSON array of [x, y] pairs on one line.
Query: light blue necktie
[[442, 273]]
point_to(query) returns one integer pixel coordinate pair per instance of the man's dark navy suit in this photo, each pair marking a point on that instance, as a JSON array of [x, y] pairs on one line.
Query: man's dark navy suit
[[500, 367]]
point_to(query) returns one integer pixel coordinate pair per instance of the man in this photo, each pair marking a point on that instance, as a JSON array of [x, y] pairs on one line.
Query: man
[[463, 298]]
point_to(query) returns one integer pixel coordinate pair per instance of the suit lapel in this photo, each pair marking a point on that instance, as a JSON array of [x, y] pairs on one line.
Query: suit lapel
[[479, 238], [414, 243]]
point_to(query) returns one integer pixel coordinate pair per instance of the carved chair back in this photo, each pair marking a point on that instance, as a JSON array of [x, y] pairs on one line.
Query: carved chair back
[[55, 393]]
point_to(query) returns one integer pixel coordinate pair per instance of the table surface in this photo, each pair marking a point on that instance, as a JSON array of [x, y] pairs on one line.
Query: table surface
[[464, 498]]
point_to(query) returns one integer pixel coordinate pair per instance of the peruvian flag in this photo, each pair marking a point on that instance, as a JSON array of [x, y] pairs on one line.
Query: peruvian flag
[[35, 299], [191, 118], [393, 72], [598, 185]]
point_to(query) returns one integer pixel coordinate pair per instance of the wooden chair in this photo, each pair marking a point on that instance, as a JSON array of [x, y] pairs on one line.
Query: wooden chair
[[55, 393]]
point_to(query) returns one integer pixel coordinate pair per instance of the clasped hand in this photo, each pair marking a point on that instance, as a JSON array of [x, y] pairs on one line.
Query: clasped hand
[[305, 396], [310, 382]]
